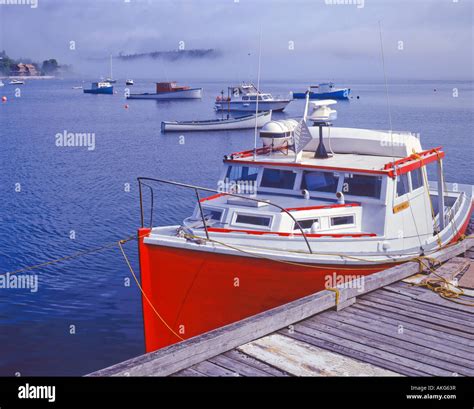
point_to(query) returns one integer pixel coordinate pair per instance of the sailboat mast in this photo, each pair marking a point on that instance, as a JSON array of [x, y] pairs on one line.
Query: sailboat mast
[[111, 74]]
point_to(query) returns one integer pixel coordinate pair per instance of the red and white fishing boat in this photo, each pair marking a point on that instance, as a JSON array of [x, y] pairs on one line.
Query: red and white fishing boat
[[289, 217]]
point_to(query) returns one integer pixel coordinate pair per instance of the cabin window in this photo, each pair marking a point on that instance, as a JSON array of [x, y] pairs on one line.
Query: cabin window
[[402, 184], [253, 220], [238, 173], [278, 178], [317, 181], [362, 185], [342, 220], [416, 178], [212, 214], [306, 224]]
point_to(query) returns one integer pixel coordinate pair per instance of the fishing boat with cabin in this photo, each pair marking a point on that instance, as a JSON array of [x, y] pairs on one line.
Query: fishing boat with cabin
[[312, 203], [100, 88], [170, 90], [246, 97], [324, 90]]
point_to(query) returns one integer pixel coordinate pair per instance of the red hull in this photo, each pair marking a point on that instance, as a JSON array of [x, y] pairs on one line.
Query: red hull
[[195, 292]]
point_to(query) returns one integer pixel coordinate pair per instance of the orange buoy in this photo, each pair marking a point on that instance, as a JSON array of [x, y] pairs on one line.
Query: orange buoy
[[4, 99]]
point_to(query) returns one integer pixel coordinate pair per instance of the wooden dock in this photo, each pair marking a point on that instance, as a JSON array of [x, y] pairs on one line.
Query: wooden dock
[[390, 328]]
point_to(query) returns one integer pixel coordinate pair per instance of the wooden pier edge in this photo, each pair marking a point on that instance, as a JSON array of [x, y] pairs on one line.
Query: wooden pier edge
[[184, 354]]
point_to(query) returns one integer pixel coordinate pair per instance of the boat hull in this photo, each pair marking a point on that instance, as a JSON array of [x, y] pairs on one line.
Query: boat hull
[[194, 93], [105, 91], [196, 291], [338, 94], [218, 125], [245, 106]]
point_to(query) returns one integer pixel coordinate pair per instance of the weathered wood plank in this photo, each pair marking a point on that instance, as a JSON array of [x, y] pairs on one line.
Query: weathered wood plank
[[419, 311], [301, 359], [188, 372], [251, 361], [211, 369], [392, 365], [420, 317], [431, 297], [432, 349], [457, 336], [363, 345], [434, 304], [438, 340], [237, 366]]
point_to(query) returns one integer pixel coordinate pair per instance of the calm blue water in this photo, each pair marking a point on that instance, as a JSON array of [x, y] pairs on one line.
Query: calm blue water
[[65, 189]]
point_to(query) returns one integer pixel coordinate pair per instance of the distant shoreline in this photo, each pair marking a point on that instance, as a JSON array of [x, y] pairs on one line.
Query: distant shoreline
[[28, 77]]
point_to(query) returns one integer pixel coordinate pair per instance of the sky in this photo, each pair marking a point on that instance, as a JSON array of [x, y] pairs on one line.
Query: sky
[[300, 39]]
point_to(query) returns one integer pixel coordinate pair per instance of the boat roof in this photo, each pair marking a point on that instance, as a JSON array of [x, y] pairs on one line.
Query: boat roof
[[356, 150]]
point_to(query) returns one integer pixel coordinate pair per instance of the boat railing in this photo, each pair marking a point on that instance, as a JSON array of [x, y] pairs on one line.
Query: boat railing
[[142, 183]]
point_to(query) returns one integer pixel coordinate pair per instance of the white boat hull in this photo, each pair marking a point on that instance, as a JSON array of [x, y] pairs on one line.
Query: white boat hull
[[218, 125], [194, 93], [251, 106]]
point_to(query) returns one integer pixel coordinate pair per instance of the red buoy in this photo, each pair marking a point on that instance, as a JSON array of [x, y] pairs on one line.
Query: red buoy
[[4, 99]]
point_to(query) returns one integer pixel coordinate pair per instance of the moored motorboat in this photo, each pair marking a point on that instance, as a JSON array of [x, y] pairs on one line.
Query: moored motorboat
[[247, 98], [170, 90], [243, 122], [16, 82], [289, 219], [129, 82], [100, 88], [1, 83], [324, 91]]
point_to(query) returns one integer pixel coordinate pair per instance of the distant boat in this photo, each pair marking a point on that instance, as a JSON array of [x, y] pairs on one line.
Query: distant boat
[[243, 122], [244, 98], [111, 78], [129, 82], [324, 91], [100, 88], [16, 82], [1, 83], [169, 90], [78, 87]]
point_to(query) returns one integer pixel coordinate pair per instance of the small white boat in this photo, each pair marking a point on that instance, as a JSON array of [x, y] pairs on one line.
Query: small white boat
[[16, 82], [1, 83], [129, 82], [245, 97], [78, 87], [243, 122]]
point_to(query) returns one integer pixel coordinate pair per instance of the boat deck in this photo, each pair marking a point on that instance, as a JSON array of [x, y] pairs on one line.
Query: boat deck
[[392, 329]]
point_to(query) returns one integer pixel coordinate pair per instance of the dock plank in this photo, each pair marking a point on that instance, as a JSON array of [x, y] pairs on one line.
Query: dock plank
[[394, 365], [429, 348], [412, 333], [301, 359], [368, 347], [460, 328], [458, 336]]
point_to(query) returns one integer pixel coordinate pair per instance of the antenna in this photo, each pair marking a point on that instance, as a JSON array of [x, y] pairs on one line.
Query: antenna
[[258, 96], [386, 84]]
